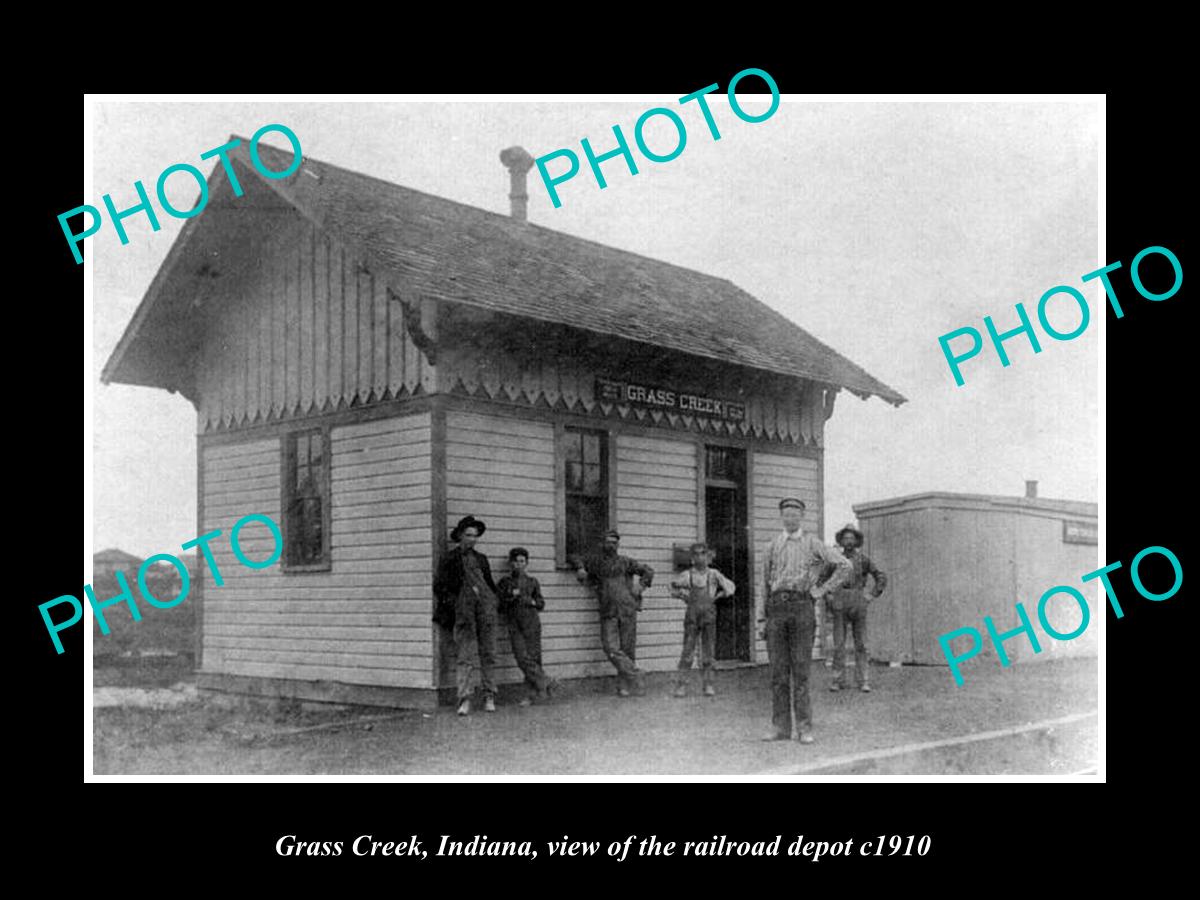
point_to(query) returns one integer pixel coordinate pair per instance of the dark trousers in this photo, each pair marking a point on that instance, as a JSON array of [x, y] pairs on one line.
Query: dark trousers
[[525, 633], [850, 614], [475, 643], [699, 623], [618, 637], [791, 624]]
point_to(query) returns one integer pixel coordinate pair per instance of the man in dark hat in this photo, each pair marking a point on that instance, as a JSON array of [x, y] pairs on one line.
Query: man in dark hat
[[848, 606], [610, 575], [464, 579], [792, 566]]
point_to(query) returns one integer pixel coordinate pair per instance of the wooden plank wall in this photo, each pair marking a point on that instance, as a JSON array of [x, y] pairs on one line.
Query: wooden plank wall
[[775, 476], [897, 543], [1044, 560], [656, 499], [502, 470], [308, 331], [364, 622], [950, 567]]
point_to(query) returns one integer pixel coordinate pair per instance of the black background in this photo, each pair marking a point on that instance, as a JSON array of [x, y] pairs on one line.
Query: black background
[[154, 834]]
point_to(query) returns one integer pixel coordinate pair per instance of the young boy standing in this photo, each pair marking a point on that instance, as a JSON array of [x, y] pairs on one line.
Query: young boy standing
[[700, 587], [520, 602]]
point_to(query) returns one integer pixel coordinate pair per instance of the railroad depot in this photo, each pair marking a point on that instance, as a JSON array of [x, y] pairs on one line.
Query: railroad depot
[[370, 363]]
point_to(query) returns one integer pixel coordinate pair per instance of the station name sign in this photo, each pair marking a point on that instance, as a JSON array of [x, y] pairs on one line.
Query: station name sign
[[667, 399]]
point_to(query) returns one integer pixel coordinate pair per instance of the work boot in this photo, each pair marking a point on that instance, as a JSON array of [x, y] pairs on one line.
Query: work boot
[[709, 690], [835, 686], [525, 701], [464, 708], [865, 688], [805, 737], [622, 691], [489, 704], [680, 690]]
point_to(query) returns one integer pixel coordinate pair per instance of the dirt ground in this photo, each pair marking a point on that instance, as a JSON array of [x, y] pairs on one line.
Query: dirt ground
[[602, 734]]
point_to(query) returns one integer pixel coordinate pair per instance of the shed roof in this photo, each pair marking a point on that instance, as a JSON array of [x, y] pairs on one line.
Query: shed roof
[[427, 245], [986, 502]]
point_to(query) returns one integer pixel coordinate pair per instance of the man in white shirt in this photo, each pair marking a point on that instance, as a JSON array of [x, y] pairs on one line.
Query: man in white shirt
[[793, 564]]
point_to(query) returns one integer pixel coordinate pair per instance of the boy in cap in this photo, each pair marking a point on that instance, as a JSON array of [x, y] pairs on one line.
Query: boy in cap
[[464, 581], [610, 575], [700, 587], [793, 564], [520, 602], [848, 606]]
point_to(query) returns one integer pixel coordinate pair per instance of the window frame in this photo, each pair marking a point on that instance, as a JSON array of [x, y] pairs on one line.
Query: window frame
[[609, 474], [325, 491]]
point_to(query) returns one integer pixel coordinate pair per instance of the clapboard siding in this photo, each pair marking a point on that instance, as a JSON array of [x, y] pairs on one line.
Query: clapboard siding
[[774, 477], [502, 470], [657, 509], [306, 330], [366, 621]]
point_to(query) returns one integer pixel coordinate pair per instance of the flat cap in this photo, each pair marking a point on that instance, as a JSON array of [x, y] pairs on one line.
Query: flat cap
[[791, 502]]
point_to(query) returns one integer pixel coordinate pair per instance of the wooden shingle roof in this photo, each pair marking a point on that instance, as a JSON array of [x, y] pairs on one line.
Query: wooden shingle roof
[[438, 248]]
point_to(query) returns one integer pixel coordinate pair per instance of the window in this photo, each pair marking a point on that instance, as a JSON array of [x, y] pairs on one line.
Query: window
[[725, 463], [306, 501], [585, 482]]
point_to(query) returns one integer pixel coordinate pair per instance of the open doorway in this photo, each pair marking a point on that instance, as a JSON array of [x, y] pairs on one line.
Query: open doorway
[[725, 516]]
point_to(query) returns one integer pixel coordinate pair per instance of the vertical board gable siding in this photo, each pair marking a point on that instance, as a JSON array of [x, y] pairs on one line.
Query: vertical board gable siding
[[364, 622], [304, 329], [776, 476], [776, 408]]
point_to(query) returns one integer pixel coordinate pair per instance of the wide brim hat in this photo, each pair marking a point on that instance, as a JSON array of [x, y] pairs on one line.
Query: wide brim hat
[[850, 528], [467, 522]]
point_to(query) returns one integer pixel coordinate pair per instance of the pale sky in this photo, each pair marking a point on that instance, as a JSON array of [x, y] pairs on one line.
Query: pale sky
[[877, 227]]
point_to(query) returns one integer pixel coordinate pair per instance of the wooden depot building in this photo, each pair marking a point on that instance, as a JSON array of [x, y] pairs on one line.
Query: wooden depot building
[[370, 363]]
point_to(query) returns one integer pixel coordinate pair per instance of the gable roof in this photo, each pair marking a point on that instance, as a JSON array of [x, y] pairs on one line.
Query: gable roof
[[427, 245]]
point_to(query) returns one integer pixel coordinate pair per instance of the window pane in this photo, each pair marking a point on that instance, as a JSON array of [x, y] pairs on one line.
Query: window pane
[[592, 480], [575, 542], [586, 484], [593, 520], [305, 500], [574, 476], [312, 529], [591, 448], [573, 448]]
